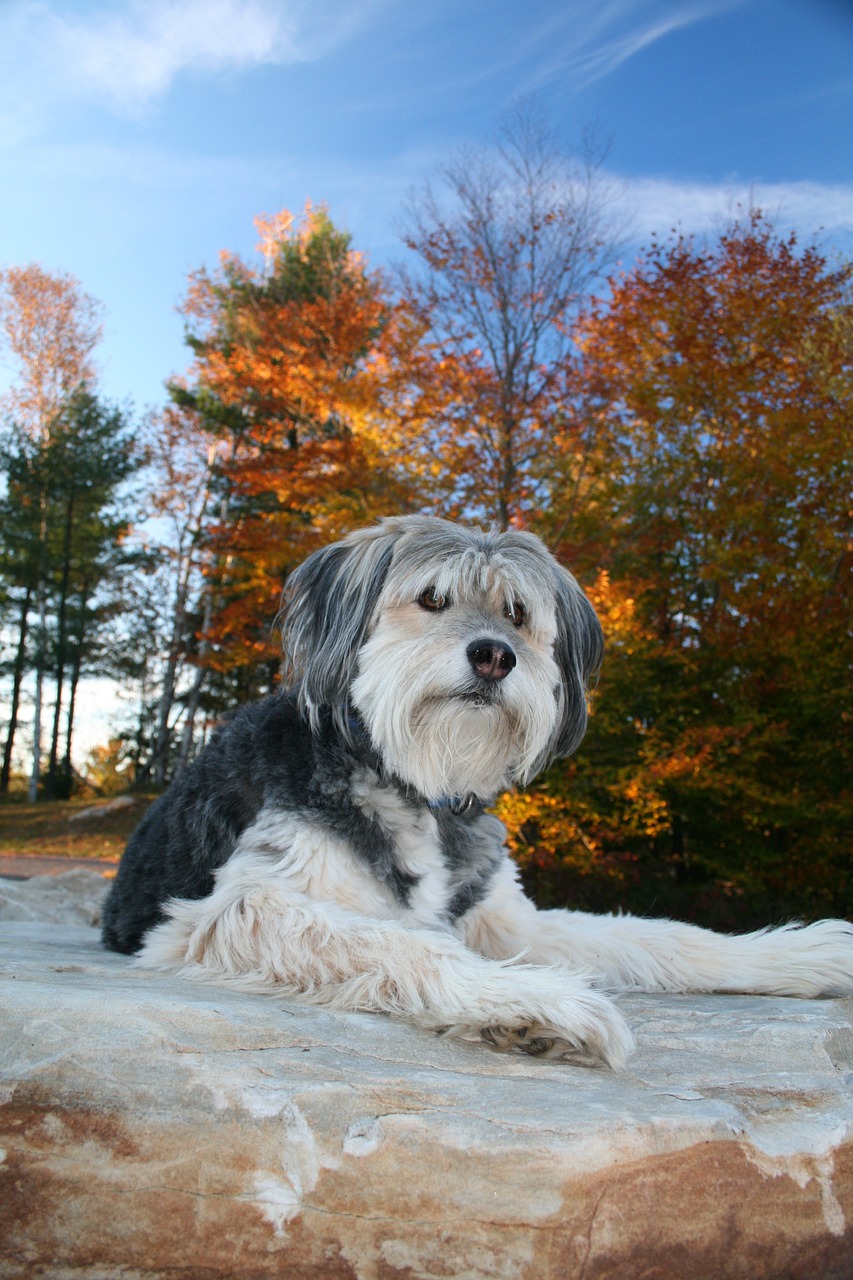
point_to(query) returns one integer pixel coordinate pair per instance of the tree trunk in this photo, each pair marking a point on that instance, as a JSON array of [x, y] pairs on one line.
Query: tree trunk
[[69, 723], [79, 639], [61, 626], [18, 675], [194, 696], [35, 771], [160, 754]]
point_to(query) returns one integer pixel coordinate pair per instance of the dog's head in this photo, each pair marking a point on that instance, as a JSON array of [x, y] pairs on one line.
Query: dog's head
[[465, 655]]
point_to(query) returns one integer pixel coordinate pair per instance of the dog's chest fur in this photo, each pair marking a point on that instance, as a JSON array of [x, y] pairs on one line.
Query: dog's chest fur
[[373, 849], [309, 812]]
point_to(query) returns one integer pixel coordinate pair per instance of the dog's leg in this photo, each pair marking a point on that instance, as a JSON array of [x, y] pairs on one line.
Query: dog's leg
[[266, 939], [632, 953]]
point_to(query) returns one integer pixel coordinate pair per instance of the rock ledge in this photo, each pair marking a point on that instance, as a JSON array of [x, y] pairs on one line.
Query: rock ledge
[[153, 1128]]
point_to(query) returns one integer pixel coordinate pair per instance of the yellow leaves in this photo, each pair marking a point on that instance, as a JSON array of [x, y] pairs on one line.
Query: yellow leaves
[[617, 611], [542, 827], [689, 764], [646, 810]]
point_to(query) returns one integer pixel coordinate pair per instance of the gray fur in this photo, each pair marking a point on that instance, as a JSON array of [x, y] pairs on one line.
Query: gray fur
[[579, 651], [327, 606]]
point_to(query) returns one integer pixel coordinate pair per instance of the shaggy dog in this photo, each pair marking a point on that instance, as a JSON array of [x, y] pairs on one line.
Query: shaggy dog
[[331, 843]]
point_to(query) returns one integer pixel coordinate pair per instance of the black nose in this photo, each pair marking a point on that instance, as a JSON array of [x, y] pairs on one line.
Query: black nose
[[491, 659]]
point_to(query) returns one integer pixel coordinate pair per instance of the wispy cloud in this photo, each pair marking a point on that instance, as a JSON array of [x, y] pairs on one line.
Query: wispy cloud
[[128, 55], [590, 39], [812, 209]]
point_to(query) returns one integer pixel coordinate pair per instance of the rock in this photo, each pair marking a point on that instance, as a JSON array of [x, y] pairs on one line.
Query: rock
[[104, 809], [157, 1128], [72, 897]]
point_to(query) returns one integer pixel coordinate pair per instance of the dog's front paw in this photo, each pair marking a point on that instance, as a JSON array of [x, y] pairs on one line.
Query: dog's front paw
[[545, 1014], [594, 1032], [537, 1042], [531, 1040]]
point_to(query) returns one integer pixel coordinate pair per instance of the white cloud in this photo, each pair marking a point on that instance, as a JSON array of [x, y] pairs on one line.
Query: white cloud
[[128, 55], [658, 205], [132, 57]]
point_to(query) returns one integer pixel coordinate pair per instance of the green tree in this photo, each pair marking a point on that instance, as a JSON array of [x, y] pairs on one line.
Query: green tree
[[63, 506], [50, 328], [21, 567]]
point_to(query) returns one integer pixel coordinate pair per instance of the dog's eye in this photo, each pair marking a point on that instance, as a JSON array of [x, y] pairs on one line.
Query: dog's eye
[[516, 613], [433, 600]]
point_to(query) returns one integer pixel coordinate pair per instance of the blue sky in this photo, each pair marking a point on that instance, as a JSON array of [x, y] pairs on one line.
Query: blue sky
[[140, 137]]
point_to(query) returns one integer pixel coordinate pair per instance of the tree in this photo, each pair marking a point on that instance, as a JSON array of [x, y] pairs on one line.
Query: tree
[[21, 568], [90, 455], [51, 328], [291, 365], [507, 248], [66, 540], [183, 458], [715, 777]]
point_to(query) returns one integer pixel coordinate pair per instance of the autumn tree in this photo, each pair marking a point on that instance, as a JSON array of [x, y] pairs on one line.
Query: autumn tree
[[50, 327], [716, 774], [290, 368], [506, 245]]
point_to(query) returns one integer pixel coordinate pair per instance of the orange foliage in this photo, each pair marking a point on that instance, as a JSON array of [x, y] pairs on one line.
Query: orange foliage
[[51, 327], [718, 382], [295, 365]]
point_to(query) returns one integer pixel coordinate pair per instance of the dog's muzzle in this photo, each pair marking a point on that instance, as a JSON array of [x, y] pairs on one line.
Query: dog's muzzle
[[491, 659]]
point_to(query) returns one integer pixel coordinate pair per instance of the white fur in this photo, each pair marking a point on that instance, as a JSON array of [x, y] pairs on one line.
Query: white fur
[[410, 674], [627, 953], [258, 932], [295, 910]]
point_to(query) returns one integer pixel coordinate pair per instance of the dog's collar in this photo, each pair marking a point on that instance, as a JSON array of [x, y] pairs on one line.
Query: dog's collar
[[456, 804]]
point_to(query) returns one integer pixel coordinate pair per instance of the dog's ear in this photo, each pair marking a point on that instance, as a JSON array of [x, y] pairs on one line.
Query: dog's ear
[[326, 610], [578, 650]]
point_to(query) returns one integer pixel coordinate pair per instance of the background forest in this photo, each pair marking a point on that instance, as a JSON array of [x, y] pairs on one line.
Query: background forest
[[677, 431]]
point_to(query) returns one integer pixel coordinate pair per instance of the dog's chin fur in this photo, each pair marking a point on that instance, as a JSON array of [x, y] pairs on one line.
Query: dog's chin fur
[[435, 725], [448, 747], [330, 844]]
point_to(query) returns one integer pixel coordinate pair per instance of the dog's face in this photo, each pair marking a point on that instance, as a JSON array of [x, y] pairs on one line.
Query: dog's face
[[466, 655]]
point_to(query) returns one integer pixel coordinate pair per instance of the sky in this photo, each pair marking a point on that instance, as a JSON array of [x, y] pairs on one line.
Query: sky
[[138, 138]]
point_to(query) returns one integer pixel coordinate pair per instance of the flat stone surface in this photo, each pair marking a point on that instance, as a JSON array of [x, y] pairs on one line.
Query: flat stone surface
[[157, 1128]]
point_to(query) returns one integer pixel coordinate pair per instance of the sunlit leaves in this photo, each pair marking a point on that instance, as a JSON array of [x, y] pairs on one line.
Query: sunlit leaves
[[717, 529], [51, 328], [297, 372]]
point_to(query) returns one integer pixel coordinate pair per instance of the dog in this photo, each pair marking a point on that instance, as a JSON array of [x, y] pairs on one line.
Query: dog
[[332, 843]]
